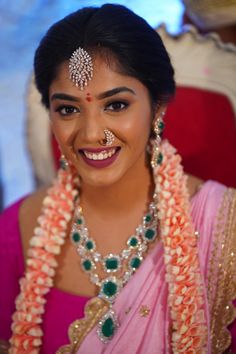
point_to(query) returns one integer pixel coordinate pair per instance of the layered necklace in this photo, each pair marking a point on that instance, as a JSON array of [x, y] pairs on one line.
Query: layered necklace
[[118, 268]]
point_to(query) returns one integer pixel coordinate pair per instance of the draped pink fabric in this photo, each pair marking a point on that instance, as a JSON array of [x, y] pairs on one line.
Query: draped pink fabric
[[136, 334], [139, 334], [150, 334]]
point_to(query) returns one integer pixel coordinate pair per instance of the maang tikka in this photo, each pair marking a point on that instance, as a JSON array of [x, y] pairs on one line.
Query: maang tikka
[[80, 68], [158, 127]]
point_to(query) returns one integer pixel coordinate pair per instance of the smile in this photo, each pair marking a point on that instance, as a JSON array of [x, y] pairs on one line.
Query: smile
[[99, 158], [103, 155]]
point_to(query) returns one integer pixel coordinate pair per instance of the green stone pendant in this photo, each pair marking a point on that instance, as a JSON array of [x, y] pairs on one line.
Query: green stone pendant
[[159, 158], [79, 221], [161, 126], [133, 242], [111, 263], [107, 326], [76, 237], [87, 265], [150, 234], [135, 262], [110, 288], [89, 245], [148, 218]]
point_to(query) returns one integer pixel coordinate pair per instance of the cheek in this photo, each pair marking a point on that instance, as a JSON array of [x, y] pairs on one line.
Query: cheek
[[137, 129], [64, 131]]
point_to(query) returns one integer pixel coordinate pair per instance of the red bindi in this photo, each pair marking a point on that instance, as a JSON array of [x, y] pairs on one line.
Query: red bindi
[[88, 97]]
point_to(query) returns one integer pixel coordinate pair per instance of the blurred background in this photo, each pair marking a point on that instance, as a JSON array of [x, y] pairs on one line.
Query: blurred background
[[23, 23]]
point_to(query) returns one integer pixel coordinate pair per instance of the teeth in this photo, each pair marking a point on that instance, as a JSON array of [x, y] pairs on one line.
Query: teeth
[[99, 156]]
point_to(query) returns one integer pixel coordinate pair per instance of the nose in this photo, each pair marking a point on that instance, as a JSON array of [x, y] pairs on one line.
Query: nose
[[91, 129]]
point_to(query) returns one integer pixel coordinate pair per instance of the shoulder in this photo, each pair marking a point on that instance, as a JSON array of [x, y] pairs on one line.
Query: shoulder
[[206, 206], [193, 184], [29, 212], [210, 194], [207, 201], [31, 205]]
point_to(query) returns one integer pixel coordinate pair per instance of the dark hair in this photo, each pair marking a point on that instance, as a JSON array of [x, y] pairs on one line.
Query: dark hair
[[136, 47]]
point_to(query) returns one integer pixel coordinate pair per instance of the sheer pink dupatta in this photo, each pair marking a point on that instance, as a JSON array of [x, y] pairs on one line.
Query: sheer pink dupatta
[[142, 306], [142, 311]]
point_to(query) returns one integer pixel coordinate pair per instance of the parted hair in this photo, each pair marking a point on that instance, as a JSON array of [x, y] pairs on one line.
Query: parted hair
[[110, 30]]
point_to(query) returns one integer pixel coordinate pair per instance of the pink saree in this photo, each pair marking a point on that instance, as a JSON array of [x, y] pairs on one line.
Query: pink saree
[[142, 307]]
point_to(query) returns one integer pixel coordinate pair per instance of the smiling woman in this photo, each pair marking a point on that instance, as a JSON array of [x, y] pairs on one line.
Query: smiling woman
[[119, 104], [112, 250]]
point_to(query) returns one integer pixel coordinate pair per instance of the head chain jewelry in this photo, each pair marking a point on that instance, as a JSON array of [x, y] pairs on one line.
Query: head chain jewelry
[[158, 128], [80, 68], [109, 138]]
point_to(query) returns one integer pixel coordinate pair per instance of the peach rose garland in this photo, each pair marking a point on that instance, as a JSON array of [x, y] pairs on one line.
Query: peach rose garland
[[185, 298], [45, 245]]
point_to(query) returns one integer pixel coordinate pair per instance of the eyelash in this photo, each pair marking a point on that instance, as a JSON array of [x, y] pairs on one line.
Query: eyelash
[[69, 110], [65, 107], [125, 106]]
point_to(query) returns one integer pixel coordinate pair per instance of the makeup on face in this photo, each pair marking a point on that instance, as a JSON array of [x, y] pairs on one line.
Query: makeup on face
[[88, 97], [99, 157], [101, 96], [112, 101]]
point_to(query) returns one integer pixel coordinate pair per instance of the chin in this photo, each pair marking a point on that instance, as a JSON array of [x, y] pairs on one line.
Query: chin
[[100, 179]]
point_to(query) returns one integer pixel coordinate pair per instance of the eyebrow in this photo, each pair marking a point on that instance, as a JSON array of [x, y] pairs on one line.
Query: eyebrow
[[109, 93], [64, 96], [115, 91]]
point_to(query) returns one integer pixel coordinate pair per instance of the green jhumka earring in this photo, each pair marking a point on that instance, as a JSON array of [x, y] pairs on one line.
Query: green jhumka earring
[[64, 164], [158, 128]]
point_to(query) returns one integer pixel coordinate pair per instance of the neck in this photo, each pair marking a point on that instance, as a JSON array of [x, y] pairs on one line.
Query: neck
[[132, 189]]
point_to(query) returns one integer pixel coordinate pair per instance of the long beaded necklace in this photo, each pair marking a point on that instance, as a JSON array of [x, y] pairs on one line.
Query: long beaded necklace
[[118, 268]]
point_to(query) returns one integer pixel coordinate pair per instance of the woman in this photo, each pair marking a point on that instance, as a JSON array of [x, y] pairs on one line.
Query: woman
[[120, 203]]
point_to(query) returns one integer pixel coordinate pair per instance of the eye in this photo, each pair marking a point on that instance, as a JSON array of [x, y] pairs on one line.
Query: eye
[[67, 110], [116, 106]]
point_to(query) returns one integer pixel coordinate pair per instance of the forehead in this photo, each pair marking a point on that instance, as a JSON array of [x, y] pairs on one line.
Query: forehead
[[106, 76]]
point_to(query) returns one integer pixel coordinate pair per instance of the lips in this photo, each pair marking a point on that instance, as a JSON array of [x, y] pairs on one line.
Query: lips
[[101, 157]]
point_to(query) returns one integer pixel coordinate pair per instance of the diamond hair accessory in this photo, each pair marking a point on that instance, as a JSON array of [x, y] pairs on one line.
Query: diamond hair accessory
[[109, 138], [158, 128], [80, 68]]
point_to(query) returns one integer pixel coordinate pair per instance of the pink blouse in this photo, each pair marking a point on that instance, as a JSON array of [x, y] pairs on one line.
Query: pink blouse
[[12, 268]]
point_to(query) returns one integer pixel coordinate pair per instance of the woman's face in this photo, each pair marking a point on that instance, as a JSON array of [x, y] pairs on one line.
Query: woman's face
[[111, 101]]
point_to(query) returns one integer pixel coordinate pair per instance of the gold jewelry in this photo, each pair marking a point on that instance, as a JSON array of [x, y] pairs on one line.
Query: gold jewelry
[[158, 127], [64, 164], [109, 138], [80, 68], [118, 268]]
